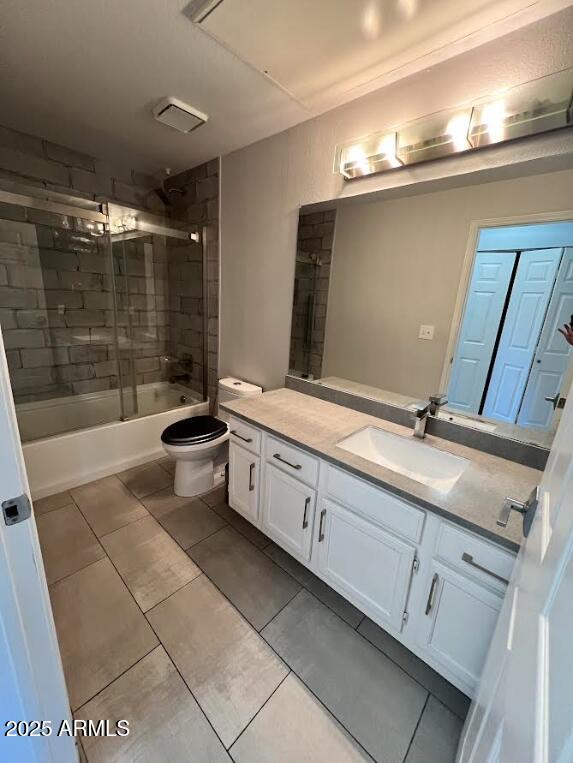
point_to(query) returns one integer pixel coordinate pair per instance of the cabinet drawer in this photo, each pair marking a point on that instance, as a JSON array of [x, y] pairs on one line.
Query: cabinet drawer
[[292, 460], [376, 504], [473, 556], [245, 435]]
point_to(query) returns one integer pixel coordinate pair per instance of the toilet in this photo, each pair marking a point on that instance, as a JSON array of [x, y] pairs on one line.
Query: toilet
[[194, 444], [198, 445], [234, 389]]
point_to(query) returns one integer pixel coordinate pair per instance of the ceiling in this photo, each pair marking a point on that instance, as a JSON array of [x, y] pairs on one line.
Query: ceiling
[[87, 74]]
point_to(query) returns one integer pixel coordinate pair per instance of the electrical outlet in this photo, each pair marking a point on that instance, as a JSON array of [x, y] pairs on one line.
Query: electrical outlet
[[61, 309], [426, 332]]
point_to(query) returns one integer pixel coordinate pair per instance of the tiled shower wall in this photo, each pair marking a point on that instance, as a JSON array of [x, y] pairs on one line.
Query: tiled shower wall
[[56, 306], [310, 301], [194, 196]]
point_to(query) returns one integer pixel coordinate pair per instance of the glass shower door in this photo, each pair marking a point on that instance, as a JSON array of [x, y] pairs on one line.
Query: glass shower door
[[57, 315]]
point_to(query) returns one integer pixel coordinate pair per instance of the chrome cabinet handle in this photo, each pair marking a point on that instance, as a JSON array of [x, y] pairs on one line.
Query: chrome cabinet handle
[[251, 480], [432, 594], [284, 461], [468, 559], [321, 526], [305, 517], [244, 439]]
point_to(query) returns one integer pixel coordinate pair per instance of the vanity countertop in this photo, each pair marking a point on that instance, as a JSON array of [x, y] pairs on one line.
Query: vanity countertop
[[474, 501]]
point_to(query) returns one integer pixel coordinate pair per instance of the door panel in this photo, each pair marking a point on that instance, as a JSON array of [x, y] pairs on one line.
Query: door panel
[[523, 708], [553, 353], [244, 482], [365, 563], [459, 623], [288, 512], [484, 306], [525, 315]]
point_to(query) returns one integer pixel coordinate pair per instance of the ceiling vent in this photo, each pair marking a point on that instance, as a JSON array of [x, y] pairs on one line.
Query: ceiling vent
[[179, 115]]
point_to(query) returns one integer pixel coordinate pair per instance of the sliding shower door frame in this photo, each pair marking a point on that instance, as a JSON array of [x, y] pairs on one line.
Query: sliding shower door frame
[[35, 197]]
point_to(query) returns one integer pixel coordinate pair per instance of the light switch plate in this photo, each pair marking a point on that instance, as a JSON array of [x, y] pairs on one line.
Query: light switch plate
[[426, 332]]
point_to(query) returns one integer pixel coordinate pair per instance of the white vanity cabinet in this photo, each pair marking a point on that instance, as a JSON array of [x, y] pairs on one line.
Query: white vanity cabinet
[[365, 563], [288, 512], [463, 589], [244, 469], [289, 497], [458, 623], [432, 585]]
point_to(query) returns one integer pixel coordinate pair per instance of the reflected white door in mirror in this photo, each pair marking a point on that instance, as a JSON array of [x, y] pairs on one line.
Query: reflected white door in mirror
[[434, 586]]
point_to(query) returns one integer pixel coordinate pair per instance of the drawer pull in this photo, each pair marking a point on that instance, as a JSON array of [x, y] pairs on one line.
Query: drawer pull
[[321, 526], [305, 517], [251, 480], [432, 594], [284, 461], [468, 559], [240, 436]]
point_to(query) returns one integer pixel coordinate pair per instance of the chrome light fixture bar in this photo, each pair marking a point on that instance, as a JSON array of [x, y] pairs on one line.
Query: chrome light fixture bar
[[536, 107]]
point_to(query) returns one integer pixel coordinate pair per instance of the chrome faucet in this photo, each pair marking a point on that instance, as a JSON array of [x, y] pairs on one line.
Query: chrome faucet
[[422, 410]]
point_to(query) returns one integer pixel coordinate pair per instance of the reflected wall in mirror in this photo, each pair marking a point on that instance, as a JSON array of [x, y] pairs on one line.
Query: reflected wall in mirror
[[461, 291]]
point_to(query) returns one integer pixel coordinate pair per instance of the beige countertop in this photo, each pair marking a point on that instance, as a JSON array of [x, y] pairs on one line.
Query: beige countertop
[[474, 501]]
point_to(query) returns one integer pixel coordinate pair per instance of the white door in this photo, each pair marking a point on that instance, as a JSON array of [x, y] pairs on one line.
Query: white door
[[244, 482], [364, 563], [288, 512], [553, 353], [32, 686], [528, 303], [482, 315], [524, 707]]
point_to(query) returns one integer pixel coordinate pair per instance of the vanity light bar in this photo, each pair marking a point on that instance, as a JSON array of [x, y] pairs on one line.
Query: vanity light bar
[[536, 107]]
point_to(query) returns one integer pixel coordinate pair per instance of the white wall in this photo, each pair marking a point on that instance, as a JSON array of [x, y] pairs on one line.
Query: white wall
[[397, 264], [264, 184]]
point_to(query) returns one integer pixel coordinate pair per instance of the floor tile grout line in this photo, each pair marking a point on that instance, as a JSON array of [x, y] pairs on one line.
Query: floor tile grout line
[[271, 695], [196, 542], [75, 572], [416, 680], [416, 729], [428, 692], [182, 677], [261, 550], [283, 661], [164, 646], [126, 584], [123, 672]]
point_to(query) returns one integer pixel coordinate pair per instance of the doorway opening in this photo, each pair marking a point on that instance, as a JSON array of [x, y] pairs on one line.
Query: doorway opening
[[511, 362]]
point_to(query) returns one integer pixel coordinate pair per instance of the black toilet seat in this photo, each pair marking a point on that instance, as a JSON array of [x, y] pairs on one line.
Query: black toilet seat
[[194, 430]]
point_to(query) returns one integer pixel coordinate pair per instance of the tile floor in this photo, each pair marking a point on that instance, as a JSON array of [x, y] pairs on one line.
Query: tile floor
[[181, 617]]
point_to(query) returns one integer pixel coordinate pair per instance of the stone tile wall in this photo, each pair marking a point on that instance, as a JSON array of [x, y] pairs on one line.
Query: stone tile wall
[[312, 278], [56, 299], [194, 195]]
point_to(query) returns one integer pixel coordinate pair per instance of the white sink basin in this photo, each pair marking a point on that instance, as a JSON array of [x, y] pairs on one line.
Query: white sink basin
[[407, 456]]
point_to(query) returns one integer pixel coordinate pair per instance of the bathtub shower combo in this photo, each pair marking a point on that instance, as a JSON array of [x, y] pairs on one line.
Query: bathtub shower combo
[[103, 311]]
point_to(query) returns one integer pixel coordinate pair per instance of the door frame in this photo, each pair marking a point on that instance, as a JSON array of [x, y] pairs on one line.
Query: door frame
[[467, 269]]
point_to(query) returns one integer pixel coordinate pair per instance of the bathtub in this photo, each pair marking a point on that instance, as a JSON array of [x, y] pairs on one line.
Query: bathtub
[[57, 459]]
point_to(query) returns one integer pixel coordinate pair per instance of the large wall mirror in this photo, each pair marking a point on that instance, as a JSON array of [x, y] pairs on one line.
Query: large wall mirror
[[461, 291]]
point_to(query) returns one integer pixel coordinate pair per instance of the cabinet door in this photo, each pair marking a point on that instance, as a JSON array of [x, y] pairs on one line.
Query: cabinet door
[[244, 482], [458, 623], [366, 564], [288, 512]]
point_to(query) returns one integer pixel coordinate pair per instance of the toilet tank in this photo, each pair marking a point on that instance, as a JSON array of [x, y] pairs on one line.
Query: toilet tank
[[234, 389]]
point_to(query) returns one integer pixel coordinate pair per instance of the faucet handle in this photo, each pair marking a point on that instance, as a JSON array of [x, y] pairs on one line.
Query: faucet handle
[[420, 409], [437, 399]]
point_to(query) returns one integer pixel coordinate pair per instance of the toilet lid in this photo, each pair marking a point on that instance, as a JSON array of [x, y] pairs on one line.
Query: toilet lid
[[196, 429]]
